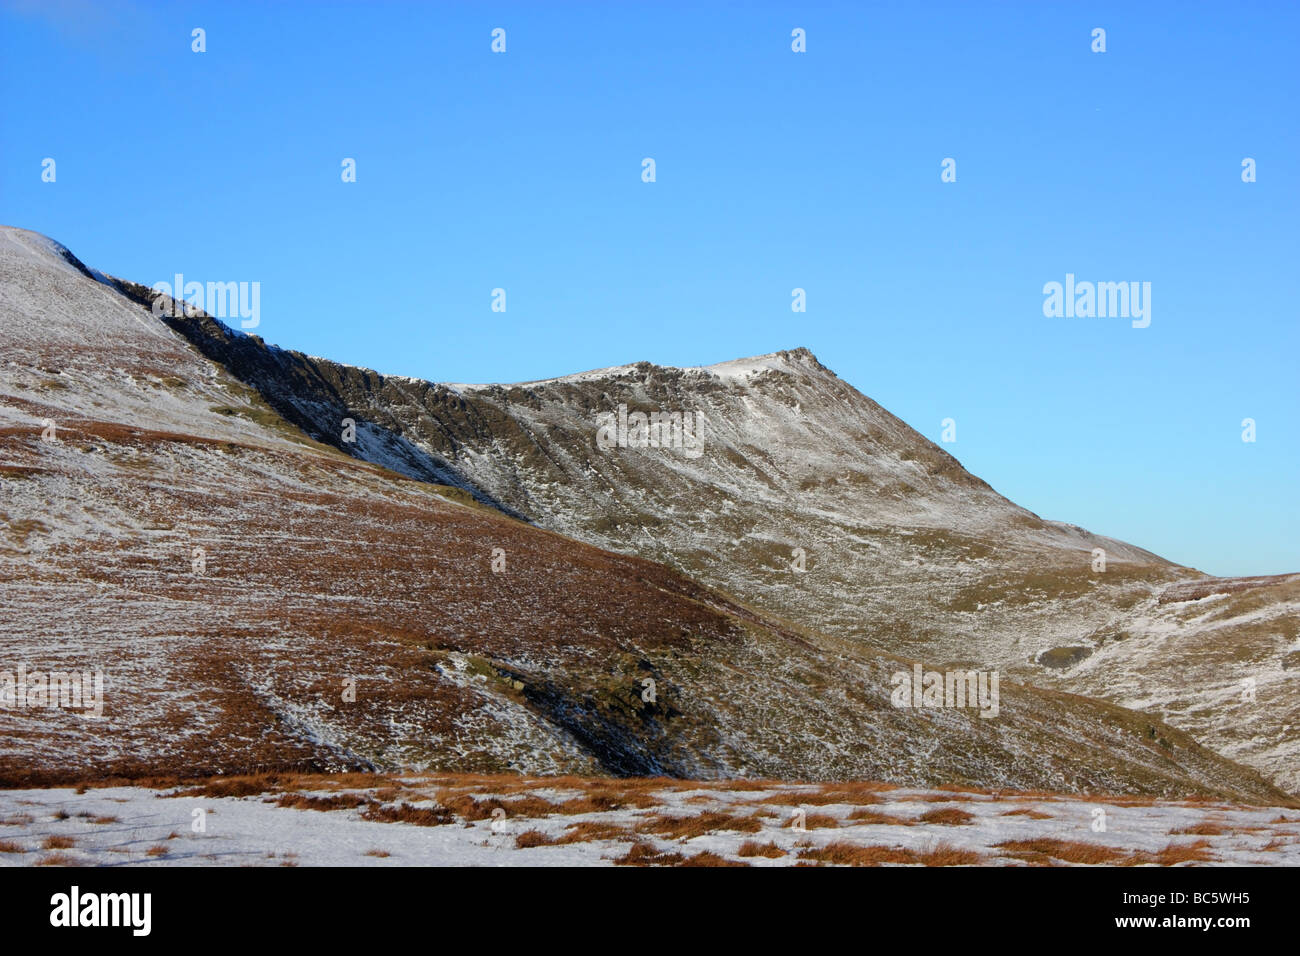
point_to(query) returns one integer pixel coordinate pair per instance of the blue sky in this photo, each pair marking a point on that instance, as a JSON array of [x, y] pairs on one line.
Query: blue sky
[[775, 170]]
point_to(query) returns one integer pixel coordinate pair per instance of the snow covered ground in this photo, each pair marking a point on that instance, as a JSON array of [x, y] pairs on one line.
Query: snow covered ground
[[508, 821]]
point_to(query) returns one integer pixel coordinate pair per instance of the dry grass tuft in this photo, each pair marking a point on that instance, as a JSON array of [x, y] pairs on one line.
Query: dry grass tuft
[[589, 830], [754, 848], [1173, 854], [816, 821], [684, 828], [1206, 828], [866, 817], [405, 813], [949, 816], [946, 855], [841, 853], [58, 843], [472, 809], [1068, 850], [853, 795], [710, 859], [644, 854], [302, 801], [531, 838], [246, 786], [604, 801]]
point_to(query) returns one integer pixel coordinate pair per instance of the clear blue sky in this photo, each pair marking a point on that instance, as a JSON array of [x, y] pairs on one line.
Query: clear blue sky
[[774, 170]]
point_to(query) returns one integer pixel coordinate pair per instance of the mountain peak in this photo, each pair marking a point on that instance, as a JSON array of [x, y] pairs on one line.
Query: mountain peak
[[785, 360], [736, 370]]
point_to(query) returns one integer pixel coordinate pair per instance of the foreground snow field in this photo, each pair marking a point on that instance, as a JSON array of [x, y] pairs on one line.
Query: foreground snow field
[[354, 820]]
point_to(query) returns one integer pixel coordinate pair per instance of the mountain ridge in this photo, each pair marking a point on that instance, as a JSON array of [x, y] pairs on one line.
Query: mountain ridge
[[972, 579], [441, 614]]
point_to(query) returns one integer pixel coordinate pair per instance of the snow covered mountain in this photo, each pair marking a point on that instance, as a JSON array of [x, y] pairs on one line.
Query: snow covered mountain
[[258, 599], [901, 548]]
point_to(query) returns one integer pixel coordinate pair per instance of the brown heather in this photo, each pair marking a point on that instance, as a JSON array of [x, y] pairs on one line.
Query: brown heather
[[851, 854], [405, 813], [584, 832], [532, 838], [645, 854], [1067, 850], [606, 800], [301, 801], [754, 848], [472, 809], [1206, 828], [944, 854], [867, 817], [1174, 853], [587, 831], [708, 858], [949, 816], [815, 821], [683, 828], [858, 793]]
